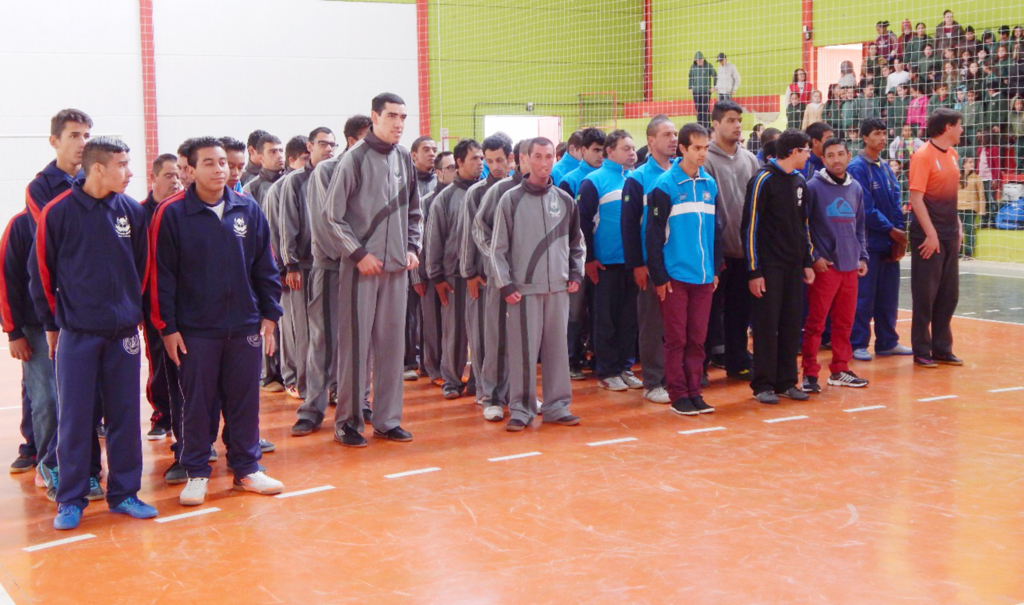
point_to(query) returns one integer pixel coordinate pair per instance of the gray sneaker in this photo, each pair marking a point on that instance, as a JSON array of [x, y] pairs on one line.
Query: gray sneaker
[[494, 413], [631, 380], [614, 383], [897, 350], [795, 394], [95, 490], [766, 397]]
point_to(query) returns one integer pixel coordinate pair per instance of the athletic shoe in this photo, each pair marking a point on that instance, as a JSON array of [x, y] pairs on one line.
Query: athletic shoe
[[810, 385], [631, 380], [135, 508], [767, 397], [825, 346], [332, 398], [175, 474], [948, 359], [396, 434], [924, 362], [705, 382], [717, 360], [684, 407], [101, 431], [576, 374], [437, 382], [272, 387], [95, 490], [293, 392], [303, 427], [367, 415], [614, 383], [847, 379], [657, 395], [259, 467], [266, 446], [259, 483], [794, 394], [568, 420], [51, 491], [156, 433], [862, 355], [450, 393], [194, 493], [214, 456], [897, 350], [515, 425], [701, 406], [23, 464], [741, 375], [410, 376], [68, 517], [39, 481], [494, 413]]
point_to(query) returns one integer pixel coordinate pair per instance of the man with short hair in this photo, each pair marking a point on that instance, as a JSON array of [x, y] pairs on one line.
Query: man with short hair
[[252, 169], [935, 234], [768, 135], [778, 256], [356, 129], [430, 303], [700, 80], [215, 290], [92, 254], [662, 139], [728, 80], [819, 133], [235, 151], [537, 251], [373, 216], [424, 151], [183, 173], [571, 159], [614, 324]]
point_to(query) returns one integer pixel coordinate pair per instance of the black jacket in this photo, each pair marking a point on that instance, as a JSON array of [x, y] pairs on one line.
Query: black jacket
[[774, 228]]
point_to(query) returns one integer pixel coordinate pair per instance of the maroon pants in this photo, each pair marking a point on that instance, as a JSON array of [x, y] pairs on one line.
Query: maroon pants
[[834, 291], [685, 313]]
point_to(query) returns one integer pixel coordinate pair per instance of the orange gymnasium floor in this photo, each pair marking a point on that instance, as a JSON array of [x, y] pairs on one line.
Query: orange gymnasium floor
[[910, 491]]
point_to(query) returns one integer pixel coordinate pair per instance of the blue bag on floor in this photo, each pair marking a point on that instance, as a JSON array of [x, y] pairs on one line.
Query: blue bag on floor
[[1011, 216]]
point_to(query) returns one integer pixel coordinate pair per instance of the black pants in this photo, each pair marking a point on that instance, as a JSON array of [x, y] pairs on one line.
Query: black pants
[[702, 101], [412, 331], [615, 321], [777, 326], [935, 288], [579, 313], [734, 293]]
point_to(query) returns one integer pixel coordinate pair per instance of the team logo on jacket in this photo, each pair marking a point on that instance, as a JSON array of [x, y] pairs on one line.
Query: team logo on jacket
[[123, 227], [554, 207], [800, 196], [255, 340], [131, 345], [240, 227]]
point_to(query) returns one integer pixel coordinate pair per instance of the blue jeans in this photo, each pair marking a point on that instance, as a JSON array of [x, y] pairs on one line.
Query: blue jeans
[[878, 295], [41, 389]]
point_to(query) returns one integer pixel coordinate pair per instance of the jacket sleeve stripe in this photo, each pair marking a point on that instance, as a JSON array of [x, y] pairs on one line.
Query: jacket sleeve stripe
[[6, 317], [32, 206], [151, 264], [44, 268], [751, 236]]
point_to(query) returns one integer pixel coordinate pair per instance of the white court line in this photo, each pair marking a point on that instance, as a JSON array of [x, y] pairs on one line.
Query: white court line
[[865, 408], [612, 441], [992, 310], [1007, 390], [905, 318], [432, 469], [707, 430], [1016, 308], [202, 511], [994, 275], [939, 398], [968, 313], [513, 457], [991, 321], [786, 419], [45, 545], [5, 597], [303, 492]]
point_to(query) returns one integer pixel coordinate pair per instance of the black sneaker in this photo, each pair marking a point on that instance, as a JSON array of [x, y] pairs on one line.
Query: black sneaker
[[924, 362], [810, 385], [266, 446], [575, 374], [156, 433], [847, 379], [303, 427], [367, 415], [214, 456], [23, 464], [684, 406], [794, 394], [701, 406], [332, 398], [101, 431], [568, 420], [741, 375], [948, 359], [350, 437], [396, 434], [515, 425], [175, 475], [704, 381]]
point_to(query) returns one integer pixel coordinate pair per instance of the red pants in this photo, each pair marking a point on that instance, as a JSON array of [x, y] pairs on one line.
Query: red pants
[[685, 313], [834, 291]]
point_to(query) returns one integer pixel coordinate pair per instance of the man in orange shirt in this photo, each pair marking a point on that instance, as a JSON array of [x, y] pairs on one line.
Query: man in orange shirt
[[935, 234]]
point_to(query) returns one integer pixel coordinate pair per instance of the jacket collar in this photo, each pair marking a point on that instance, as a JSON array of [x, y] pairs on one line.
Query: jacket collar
[[378, 145], [194, 205], [534, 189], [464, 184], [252, 169], [614, 167], [270, 176], [825, 176], [681, 177], [87, 201], [424, 176]]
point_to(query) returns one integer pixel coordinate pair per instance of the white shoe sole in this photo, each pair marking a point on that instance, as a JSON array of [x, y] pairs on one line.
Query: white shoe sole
[[494, 417], [155, 437], [608, 388], [837, 383], [266, 491]]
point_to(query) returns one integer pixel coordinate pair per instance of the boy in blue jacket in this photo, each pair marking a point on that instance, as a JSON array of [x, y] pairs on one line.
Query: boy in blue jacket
[[681, 259], [215, 299], [92, 254]]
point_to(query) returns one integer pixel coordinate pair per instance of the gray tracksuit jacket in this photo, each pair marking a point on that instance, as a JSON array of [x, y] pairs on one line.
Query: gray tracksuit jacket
[[471, 262], [483, 222], [731, 173], [425, 181], [373, 203], [293, 220], [271, 205], [419, 276], [443, 241], [326, 251], [259, 186], [537, 246]]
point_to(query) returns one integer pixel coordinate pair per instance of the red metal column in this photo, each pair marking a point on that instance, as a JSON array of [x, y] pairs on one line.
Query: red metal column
[[423, 64], [648, 54], [148, 85], [810, 53]]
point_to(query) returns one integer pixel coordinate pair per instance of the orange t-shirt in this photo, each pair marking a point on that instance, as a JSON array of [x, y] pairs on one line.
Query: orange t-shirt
[[936, 174]]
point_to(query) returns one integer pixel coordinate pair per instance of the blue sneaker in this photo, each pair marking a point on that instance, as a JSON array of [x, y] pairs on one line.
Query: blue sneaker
[[135, 508], [68, 516], [862, 355]]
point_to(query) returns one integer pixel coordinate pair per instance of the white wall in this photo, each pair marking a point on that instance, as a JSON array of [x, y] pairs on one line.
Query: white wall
[[222, 68]]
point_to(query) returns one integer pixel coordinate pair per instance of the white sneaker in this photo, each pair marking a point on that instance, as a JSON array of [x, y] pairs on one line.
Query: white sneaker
[[614, 383], [410, 376], [259, 483], [631, 380], [494, 413], [194, 493], [657, 395]]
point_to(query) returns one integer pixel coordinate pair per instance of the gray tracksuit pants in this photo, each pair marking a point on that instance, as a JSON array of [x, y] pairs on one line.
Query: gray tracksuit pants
[[454, 351], [285, 337], [476, 310], [537, 326], [493, 374], [297, 333], [371, 318], [321, 311], [652, 333], [430, 331]]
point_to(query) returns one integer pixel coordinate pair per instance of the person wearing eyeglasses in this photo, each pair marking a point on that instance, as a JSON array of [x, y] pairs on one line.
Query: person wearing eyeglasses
[[778, 249]]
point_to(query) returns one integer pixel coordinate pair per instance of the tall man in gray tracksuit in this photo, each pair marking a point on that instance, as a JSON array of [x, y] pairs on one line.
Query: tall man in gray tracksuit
[[495, 367], [538, 254], [373, 213], [497, 150], [442, 258]]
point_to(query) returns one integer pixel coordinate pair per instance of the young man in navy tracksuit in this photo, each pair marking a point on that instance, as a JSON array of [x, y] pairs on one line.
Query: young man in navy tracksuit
[[92, 253], [682, 259], [216, 292]]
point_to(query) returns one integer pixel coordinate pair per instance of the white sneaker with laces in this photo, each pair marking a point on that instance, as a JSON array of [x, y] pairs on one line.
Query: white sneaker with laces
[[614, 383], [494, 413], [657, 395], [259, 483], [194, 493], [631, 380]]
